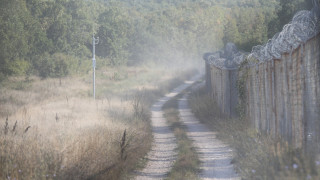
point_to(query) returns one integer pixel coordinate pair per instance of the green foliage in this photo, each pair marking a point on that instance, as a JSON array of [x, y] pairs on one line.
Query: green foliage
[[114, 33], [14, 40], [56, 65], [2, 77], [18, 66], [285, 13], [231, 32], [130, 31], [242, 90], [44, 65]]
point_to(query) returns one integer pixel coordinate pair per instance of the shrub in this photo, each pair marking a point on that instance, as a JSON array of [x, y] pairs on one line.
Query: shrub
[[44, 65], [2, 77], [56, 65], [18, 67]]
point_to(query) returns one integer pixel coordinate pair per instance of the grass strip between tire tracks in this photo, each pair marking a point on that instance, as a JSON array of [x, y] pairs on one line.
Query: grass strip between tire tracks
[[187, 163]]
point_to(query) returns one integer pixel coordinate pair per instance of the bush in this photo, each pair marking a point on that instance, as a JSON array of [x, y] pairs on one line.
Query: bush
[[44, 65], [57, 65], [2, 77], [18, 67]]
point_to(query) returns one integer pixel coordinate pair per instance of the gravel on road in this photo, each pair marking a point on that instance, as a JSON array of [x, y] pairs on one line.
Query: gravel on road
[[215, 156], [163, 151]]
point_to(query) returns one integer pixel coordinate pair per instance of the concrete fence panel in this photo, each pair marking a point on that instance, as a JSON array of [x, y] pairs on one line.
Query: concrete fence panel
[[282, 95]]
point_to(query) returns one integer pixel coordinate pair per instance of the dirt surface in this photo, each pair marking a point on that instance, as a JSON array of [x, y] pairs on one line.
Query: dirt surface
[[215, 156], [163, 152]]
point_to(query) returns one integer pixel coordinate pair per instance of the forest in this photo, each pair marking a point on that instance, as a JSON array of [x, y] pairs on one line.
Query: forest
[[53, 38], [55, 126]]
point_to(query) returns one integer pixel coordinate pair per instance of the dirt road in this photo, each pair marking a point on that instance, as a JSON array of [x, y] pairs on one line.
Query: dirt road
[[215, 156], [163, 151]]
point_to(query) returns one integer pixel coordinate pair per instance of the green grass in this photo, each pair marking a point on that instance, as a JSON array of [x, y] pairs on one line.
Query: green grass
[[187, 163], [257, 155]]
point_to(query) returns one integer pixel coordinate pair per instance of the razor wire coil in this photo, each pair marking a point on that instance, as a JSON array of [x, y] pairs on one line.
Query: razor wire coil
[[304, 26]]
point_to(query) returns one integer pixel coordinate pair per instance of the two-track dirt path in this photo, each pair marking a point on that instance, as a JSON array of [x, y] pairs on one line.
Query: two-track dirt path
[[215, 156], [162, 154]]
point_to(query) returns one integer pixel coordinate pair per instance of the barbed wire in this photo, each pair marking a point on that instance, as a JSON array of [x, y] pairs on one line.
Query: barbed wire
[[304, 26], [229, 58]]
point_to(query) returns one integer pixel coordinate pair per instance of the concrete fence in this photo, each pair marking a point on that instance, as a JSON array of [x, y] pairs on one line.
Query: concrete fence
[[281, 96], [221, 84]]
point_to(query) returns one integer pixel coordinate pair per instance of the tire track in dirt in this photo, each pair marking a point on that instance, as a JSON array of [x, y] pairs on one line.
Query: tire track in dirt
[[162, 154], [215, 156]]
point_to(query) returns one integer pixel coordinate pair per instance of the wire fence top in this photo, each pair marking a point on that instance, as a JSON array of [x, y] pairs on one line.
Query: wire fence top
[[304, 26]]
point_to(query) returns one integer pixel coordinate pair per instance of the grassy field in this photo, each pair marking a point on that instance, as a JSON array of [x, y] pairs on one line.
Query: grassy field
[[257, 155], [53, 129]]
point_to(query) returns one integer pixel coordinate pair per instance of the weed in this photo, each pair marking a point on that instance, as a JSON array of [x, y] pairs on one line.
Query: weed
[[139, 108], [6, 127], [14, 127], [27, 129], [123, 146]]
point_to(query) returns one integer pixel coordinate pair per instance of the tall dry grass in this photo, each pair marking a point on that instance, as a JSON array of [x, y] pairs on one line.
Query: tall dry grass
[[55, 130]]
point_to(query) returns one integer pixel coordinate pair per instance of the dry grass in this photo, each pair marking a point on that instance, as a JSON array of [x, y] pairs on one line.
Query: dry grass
[[55, 130], [257, 155], [187, 164]]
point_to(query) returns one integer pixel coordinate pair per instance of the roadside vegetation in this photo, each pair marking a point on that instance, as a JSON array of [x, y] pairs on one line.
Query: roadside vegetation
[[50, 126], [53, 129], [187, 164], [257, 155], [54, 38]]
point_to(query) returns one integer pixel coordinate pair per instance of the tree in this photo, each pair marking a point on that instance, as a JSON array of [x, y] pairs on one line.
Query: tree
[[114, 32], [14, 39], [285, 14], [231, 33], [32, 32]]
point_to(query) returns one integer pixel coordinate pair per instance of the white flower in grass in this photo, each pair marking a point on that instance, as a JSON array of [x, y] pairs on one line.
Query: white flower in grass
[[253, 171], [295, 166]]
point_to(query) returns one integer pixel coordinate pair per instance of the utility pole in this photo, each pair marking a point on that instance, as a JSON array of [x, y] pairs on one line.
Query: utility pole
[[94, 42]]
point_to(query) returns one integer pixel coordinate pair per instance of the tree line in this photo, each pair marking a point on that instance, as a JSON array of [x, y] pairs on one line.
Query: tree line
[[52, 38]]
